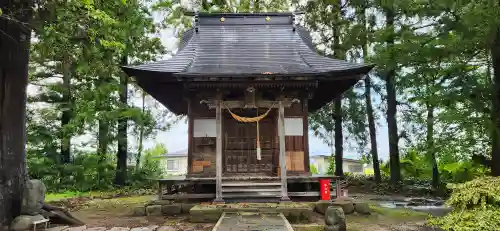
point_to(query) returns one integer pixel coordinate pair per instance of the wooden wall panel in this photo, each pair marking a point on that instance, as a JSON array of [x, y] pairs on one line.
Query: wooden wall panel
[[295, 161], [294, 147], [294, 111], [203, 156]]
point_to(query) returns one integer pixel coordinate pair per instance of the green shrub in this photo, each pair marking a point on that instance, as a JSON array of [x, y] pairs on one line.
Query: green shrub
[[313, 169], [475, 219], [481, 192], [91, 172], [476, 206]]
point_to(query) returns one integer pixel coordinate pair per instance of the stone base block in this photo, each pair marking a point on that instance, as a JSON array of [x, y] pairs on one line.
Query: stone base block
[[139, 211], [172, 209], [154, 210], [362, 208]]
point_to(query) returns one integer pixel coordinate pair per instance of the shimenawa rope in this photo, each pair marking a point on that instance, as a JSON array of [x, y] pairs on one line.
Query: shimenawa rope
[[252, 120]]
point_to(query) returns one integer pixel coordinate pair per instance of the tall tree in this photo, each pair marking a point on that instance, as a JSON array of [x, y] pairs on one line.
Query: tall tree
[[121, 155], [338, 53], [361, 9], [430, 145], [495, 57], [15, 38], [390, 84], [135, 19], [66, 110]]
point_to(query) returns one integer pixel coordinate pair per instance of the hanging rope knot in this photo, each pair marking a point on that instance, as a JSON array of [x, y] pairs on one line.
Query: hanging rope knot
[[251, 120]]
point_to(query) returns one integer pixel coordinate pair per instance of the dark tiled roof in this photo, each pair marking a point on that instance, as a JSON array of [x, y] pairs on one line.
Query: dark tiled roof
[[247, 45], [242, 47]]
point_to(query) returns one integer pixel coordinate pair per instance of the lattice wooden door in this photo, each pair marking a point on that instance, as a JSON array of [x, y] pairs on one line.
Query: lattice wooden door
[[240, 139]]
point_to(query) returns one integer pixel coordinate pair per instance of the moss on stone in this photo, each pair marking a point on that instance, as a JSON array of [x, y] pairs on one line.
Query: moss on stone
[[308, 227], [204, 214]]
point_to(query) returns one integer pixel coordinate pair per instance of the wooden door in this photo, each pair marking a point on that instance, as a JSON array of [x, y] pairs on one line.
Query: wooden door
[[240, 144]]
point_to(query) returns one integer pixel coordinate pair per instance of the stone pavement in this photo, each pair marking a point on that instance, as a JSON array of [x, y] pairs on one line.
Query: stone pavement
[[252, 222], [148, 228]]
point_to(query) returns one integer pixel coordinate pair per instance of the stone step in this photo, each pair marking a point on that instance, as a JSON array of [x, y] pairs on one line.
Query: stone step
[[253, 200], [245, 189], [252, 195], [249, 183]]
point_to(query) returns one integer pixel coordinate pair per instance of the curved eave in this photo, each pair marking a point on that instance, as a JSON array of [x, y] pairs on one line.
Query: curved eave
[[333, 75], [167, 87], [155, 76]]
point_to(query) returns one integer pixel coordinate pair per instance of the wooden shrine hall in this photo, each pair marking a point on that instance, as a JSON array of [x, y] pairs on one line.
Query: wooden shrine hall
[[246, 82]]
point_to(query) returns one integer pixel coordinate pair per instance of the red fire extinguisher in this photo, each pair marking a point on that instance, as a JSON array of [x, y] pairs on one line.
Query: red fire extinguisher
[[324, 185]]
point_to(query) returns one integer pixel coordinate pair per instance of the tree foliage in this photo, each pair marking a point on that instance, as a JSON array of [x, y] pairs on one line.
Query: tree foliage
[[77, 82], [436, 81]]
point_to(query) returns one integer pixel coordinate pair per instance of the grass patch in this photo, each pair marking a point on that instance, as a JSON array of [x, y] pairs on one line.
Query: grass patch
[[51, 197], [118, 203], [399, 213], [384, 217], [64, 195]]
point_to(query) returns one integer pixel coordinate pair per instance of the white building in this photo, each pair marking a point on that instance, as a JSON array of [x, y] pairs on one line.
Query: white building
[[348, 165], [175, 163]]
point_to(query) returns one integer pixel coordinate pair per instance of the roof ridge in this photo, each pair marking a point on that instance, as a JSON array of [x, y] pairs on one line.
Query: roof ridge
[[194, 36], [301, 43], [231, 14]]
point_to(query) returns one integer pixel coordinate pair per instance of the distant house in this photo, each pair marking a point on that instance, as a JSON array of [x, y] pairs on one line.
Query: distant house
[[348, 165], [175, 163]]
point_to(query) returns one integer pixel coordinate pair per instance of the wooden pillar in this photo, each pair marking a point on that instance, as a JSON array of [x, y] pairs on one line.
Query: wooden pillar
[[190, 135], [160, 190], [305, 122], [338, 188], [281, 134], [218, 154]]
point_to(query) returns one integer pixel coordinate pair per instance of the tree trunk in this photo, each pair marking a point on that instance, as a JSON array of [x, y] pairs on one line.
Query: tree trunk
[[66, 112], [495, 136], [141, 136], [372, 130], [103, 131], [392, 125], [339, 150], [121, 156], [430, 146], [339, 54], [369, 107], [103, 127], [103, 139], [14, 58]]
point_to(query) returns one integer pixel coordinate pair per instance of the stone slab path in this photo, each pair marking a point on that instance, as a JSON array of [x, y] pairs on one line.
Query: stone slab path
[[252, 222]]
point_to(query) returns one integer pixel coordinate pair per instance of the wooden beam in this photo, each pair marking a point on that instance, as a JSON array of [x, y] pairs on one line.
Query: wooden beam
[[307, 194], [281, 134], [212, 104], [305, 137], [188, 196], [218, 154]]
